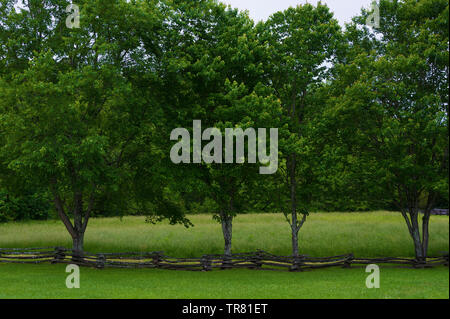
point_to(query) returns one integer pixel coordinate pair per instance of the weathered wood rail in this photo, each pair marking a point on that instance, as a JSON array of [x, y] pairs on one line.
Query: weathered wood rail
[[256, 260]]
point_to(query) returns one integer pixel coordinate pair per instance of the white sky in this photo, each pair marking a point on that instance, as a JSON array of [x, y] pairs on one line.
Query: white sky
[[343, 10]]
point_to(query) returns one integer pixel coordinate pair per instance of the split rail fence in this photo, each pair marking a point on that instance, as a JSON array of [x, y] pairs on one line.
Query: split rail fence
[[257, 260]]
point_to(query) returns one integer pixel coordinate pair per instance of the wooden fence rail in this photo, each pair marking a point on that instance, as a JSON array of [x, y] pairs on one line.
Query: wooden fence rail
[[256, 260]]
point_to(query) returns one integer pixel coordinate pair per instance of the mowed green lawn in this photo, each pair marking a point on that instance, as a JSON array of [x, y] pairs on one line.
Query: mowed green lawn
[[325, 234], [48, 281]]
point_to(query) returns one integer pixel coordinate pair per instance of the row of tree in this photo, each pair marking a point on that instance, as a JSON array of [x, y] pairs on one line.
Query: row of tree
[[87, 113]]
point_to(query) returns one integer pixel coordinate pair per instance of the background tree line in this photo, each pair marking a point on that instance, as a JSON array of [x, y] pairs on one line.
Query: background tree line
[[86, 113]]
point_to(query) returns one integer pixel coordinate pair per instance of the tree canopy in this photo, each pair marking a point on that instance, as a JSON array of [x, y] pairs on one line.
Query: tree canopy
[[87, 113]]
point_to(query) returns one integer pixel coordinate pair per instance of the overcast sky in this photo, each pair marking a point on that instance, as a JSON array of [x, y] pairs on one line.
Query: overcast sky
[[343, 10]]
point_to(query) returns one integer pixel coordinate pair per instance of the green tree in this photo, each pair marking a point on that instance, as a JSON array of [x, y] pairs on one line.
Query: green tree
[[74, 118], [211, 66], [300, 42], [389, 110]]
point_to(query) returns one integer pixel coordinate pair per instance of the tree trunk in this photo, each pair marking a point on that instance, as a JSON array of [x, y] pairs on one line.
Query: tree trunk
[[411, 216], [426, 223], [418, 247], [414, 230], [78, 246], [78, 228], [293, 190], [227, 230], [78, 237], [425, 233], [80, 216], [295, 252]]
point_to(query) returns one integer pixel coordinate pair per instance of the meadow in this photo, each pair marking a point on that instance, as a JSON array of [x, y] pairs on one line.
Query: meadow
[[324, 234], [364, 234]]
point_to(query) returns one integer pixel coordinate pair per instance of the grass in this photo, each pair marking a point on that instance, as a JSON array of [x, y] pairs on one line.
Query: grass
[[28, 281], [325, 234]]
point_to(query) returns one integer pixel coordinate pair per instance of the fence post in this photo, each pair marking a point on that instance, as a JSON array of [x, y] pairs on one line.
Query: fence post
[[258, 259], [157, 259], [348, 261], [59, 255], [296, 264], [227, 262], [419, 263], [101, 260], [77, 257], [206, 265]]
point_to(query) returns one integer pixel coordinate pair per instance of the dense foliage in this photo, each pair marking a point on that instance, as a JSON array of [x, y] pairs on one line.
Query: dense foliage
[[86, 114]]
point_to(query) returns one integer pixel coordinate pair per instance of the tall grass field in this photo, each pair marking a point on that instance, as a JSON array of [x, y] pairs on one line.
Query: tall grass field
[[324, 234]]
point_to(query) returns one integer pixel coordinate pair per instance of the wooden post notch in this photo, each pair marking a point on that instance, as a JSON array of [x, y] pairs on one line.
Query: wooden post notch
[[101, 261], [206, 263], [257, 260], [60, 255], [297, 263], [156, 259], [348, 261]]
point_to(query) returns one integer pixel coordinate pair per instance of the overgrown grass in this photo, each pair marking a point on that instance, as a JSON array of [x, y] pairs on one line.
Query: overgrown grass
[[325, 234], [48, 281]]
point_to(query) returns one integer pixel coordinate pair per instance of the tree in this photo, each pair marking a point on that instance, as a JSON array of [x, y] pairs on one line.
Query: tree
[[210, 70], [389, 109], [75, 119], [300, 42]]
